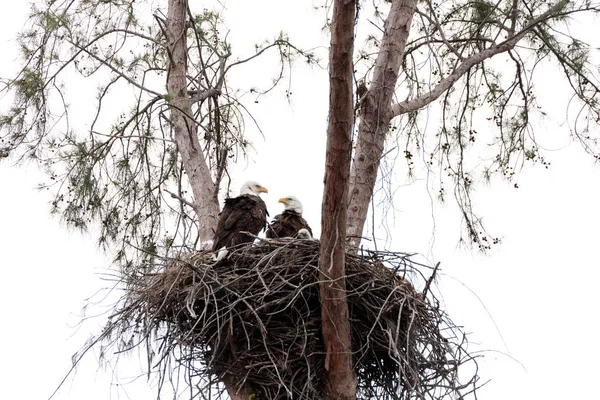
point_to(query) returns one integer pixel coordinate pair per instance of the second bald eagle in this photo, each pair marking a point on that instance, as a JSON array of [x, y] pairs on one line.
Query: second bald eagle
[[290, 222]]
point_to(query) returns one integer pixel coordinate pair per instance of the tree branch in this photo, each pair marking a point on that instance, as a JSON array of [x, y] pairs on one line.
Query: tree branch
[[446, 83], [201, 96], [181, 199], [115, 70]]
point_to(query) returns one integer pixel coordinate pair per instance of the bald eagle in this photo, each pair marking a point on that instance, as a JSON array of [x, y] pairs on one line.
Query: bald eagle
[[244, 213], [290, 222]]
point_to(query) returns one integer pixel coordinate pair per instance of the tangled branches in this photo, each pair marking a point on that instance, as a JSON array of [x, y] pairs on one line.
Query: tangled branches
[[253, 321]]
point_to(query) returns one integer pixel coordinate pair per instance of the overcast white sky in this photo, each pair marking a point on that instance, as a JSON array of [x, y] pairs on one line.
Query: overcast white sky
[[532, 302]]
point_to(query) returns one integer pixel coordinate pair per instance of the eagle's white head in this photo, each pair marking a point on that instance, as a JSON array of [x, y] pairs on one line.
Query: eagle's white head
[[291, 203], [253, 188]]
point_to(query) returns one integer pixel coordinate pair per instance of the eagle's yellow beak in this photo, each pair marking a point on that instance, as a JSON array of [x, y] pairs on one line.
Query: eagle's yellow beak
[[262, 189], [283, 200]]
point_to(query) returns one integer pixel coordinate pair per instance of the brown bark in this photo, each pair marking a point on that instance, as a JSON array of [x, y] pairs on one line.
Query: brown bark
[[375, 115], [185, 129], [341, 379]]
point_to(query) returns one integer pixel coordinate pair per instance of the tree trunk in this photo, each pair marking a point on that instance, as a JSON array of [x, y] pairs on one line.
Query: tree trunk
[[375, 115], [340, 379], [206, 202]]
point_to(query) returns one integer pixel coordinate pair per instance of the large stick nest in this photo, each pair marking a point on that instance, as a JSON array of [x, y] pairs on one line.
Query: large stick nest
[[253, 320]]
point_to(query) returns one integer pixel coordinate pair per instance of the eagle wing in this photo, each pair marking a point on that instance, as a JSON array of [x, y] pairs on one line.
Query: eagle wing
[[245, 213], [287, 224]]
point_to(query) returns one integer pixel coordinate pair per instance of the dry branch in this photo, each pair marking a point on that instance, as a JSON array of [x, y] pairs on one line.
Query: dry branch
[[254, 320]]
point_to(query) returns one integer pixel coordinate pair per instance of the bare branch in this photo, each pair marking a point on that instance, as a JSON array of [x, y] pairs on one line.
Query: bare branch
[[181, 199], [421, 101], [201, 96], [115, 70]]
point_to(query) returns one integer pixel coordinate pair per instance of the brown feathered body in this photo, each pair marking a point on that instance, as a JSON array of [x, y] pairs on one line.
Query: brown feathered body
[[245, 213], [287, 224]]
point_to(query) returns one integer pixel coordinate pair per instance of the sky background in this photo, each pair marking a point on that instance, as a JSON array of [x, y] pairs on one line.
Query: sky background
[[529, 305]]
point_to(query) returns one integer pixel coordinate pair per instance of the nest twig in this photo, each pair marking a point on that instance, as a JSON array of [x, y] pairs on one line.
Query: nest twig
[[254, 320]]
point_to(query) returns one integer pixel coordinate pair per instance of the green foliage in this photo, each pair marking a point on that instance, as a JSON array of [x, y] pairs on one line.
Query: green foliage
[[29, 84], [482, 12], [112, 171], [486, 116]]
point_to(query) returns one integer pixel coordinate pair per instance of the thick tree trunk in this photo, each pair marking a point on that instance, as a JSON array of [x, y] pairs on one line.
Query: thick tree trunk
[[185, 130], [341, 379], [375, 115], [184, 127]]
